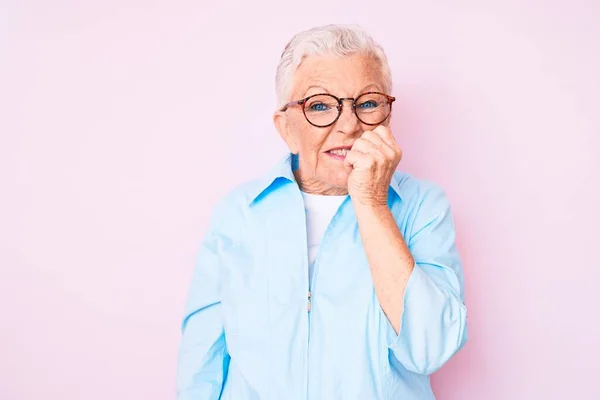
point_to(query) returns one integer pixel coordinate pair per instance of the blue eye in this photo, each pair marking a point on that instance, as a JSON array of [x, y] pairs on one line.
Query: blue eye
[[319, 107], [368, 104]]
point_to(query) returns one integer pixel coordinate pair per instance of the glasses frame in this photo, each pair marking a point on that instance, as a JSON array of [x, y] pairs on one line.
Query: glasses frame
[[340, 106]]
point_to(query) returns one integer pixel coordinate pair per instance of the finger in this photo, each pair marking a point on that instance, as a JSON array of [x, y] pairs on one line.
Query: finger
[[365, 146], [373, 138], [381, 155], [358, 159], [378, 142], [350, 160], [376, 153], [386, 135]]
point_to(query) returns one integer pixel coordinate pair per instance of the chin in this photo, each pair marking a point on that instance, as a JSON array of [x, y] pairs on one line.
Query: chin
[[340, 180]]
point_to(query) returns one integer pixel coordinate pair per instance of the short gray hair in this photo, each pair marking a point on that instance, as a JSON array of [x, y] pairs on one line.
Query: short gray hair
[[337, 40]]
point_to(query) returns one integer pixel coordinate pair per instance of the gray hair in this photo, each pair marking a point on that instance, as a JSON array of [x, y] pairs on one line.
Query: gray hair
[[337, 40]]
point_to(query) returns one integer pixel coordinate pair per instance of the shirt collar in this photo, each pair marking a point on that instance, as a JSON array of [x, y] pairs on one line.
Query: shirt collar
[[284, 169]]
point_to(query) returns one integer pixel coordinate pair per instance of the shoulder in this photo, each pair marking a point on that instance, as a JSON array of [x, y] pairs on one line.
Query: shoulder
[[239, 197], [424, 207], [420, 194], [229, 210]]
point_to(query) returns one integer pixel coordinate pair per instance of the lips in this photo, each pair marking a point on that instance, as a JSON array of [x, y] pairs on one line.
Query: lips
[[339, 153]]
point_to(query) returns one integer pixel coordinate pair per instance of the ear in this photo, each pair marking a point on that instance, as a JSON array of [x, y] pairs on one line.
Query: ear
[[280, 119]]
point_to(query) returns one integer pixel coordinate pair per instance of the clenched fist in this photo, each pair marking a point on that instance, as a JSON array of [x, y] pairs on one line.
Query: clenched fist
[[371, 162]]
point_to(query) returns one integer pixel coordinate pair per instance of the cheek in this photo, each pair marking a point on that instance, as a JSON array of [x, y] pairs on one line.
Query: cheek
[[311, 139]]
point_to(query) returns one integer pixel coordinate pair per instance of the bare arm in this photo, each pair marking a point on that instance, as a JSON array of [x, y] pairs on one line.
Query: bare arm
[[418, 279], [389, 258]]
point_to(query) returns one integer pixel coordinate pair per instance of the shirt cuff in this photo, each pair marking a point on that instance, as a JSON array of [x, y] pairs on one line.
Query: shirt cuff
[[415, 279], [433, 325]]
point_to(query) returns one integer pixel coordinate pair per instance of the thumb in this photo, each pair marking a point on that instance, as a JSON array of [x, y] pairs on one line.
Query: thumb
[[347, 166], [349, 161]]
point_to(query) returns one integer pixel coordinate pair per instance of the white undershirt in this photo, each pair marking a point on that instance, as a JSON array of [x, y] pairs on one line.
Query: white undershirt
[[320, 210]]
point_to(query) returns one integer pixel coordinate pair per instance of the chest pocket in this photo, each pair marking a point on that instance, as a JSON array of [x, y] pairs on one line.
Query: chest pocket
[[242, 298]]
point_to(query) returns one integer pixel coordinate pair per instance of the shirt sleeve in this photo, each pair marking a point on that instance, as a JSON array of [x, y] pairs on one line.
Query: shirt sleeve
[[203, 359], [434, 324]]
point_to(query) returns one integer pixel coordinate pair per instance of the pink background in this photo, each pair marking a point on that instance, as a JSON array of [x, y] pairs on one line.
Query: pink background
[[122, 122]]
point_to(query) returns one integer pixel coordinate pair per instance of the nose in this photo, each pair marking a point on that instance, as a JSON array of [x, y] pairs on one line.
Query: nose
[[347, 123]]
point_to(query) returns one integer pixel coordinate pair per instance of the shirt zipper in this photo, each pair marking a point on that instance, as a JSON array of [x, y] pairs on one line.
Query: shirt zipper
[[309, 295], [312, 282], [311, 285]]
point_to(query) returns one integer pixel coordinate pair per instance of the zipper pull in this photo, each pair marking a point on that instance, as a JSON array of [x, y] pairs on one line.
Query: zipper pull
[[309, 296]]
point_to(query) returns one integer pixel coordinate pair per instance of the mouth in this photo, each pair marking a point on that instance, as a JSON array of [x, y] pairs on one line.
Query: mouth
[[338, 153]]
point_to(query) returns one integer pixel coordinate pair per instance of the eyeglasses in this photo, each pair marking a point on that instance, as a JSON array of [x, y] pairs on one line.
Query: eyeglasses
[[323, 109]]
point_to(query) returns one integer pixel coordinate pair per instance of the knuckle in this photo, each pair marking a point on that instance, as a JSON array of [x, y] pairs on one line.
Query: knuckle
[[359, 142], [369, 135], [382, 129]]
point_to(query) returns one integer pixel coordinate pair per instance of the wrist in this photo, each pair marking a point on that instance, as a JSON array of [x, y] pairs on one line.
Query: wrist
[[371, 208], [373, 201]]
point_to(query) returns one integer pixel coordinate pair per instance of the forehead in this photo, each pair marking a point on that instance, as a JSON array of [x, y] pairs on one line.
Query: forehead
[[342, 76]]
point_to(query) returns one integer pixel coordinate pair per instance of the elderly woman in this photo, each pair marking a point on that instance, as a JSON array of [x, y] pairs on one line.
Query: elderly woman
[[333, 276]]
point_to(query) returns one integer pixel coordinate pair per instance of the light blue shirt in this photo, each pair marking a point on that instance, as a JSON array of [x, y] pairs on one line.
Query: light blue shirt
[[247, 331]]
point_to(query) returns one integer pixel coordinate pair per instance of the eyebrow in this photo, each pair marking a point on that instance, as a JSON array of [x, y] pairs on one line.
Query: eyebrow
[[315, 87], [363, 90], [372, 86]]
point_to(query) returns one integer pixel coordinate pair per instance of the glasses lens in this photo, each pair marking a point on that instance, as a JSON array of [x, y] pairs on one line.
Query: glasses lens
[[372, 108], [321, 110]]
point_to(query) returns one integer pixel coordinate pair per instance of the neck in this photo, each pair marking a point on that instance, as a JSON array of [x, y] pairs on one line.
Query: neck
[[314, 186]]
